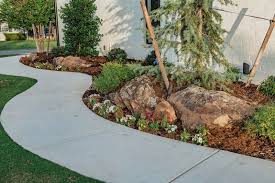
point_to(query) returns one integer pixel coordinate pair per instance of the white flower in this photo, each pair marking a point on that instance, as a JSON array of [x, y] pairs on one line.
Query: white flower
[[106, 102], [197, 139], [123, 120], [171, 128], [59, 67], [97, 105], [130, 117], [112, 109], [94, 95]]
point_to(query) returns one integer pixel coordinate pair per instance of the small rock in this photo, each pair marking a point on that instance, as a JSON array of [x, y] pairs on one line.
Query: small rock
[[165, 110]]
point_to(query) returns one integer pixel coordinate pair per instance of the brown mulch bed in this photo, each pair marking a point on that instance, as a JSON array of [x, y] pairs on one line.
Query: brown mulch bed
[[238, 140], [234, 138], [94, 62]]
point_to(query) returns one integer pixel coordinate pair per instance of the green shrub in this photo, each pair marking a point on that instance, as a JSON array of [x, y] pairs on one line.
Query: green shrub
[[15, 36], [262, 123], [82, 25], [207, 79], [268, 86], [113, 75], [58, 52], [117, 54], [185, 136]]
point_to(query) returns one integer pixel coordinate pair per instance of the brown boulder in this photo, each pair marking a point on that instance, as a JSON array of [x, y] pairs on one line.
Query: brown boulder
[[138, 96], [165, 110], [197, 106], [71, 62]]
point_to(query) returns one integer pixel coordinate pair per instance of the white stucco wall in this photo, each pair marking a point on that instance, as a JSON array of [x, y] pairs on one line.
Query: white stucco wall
[[122, 27], [249, 35]]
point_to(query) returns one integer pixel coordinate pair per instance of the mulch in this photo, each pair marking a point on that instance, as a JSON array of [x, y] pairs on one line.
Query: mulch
[[234, 138], [94, 62]]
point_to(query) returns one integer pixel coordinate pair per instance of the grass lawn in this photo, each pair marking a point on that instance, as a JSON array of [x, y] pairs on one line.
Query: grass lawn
[[17, 45], [18, 165], [2, 56]]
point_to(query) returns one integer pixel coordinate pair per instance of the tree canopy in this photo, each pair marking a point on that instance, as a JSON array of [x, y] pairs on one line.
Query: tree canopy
[[23, 14]]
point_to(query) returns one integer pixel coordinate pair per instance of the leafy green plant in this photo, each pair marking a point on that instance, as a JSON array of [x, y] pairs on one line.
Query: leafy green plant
[[112, 76], [268, 86], [58, 52], [154, 126], [200, 137], [142, 124], [47, 66], [262, 123], [118, 55], [81, 31], [185, 136]]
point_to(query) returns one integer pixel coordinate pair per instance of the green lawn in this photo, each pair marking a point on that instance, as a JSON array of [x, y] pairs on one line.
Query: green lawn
[[18, 165], [2, 56], [17, 45]]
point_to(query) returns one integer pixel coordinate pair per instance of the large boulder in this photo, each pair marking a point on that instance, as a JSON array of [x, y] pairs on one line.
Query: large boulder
[[197, 106], [165, 110], [138, 96]]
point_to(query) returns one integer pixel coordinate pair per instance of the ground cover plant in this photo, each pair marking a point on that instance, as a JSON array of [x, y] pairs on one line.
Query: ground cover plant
[[19, 165], [113, 75], [118, 55], [236, 137], [262, 123], [268, 86]]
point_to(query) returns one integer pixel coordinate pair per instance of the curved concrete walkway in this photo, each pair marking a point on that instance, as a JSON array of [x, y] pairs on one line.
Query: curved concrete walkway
[[51, 121]]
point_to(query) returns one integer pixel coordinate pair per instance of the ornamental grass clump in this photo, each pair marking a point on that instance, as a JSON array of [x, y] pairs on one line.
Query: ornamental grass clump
[[112, 77], [262, 123]]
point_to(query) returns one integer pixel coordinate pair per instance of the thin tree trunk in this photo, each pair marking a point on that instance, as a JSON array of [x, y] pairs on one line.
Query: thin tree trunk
[[155, 44], [200, 28], [34, 29]]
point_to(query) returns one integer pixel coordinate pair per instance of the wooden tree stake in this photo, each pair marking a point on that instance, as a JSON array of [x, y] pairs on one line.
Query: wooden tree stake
[[261, 52], [155, 44]]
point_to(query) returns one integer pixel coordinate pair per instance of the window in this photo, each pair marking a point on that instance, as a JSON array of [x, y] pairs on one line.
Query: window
[[151, 6]]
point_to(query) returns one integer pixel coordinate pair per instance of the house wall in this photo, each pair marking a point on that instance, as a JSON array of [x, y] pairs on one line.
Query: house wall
[[123, 24], [246, 34]]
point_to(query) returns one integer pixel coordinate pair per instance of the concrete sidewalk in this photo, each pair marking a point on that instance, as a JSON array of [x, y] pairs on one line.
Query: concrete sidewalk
[[51, 121]]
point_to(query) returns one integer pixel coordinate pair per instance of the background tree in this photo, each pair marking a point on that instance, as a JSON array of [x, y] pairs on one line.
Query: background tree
[[193, 28], [29, 14], [81, 32]]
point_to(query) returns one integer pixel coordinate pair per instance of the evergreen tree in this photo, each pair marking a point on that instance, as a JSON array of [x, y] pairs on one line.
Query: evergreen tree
[[193, 28], [81, 32]]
